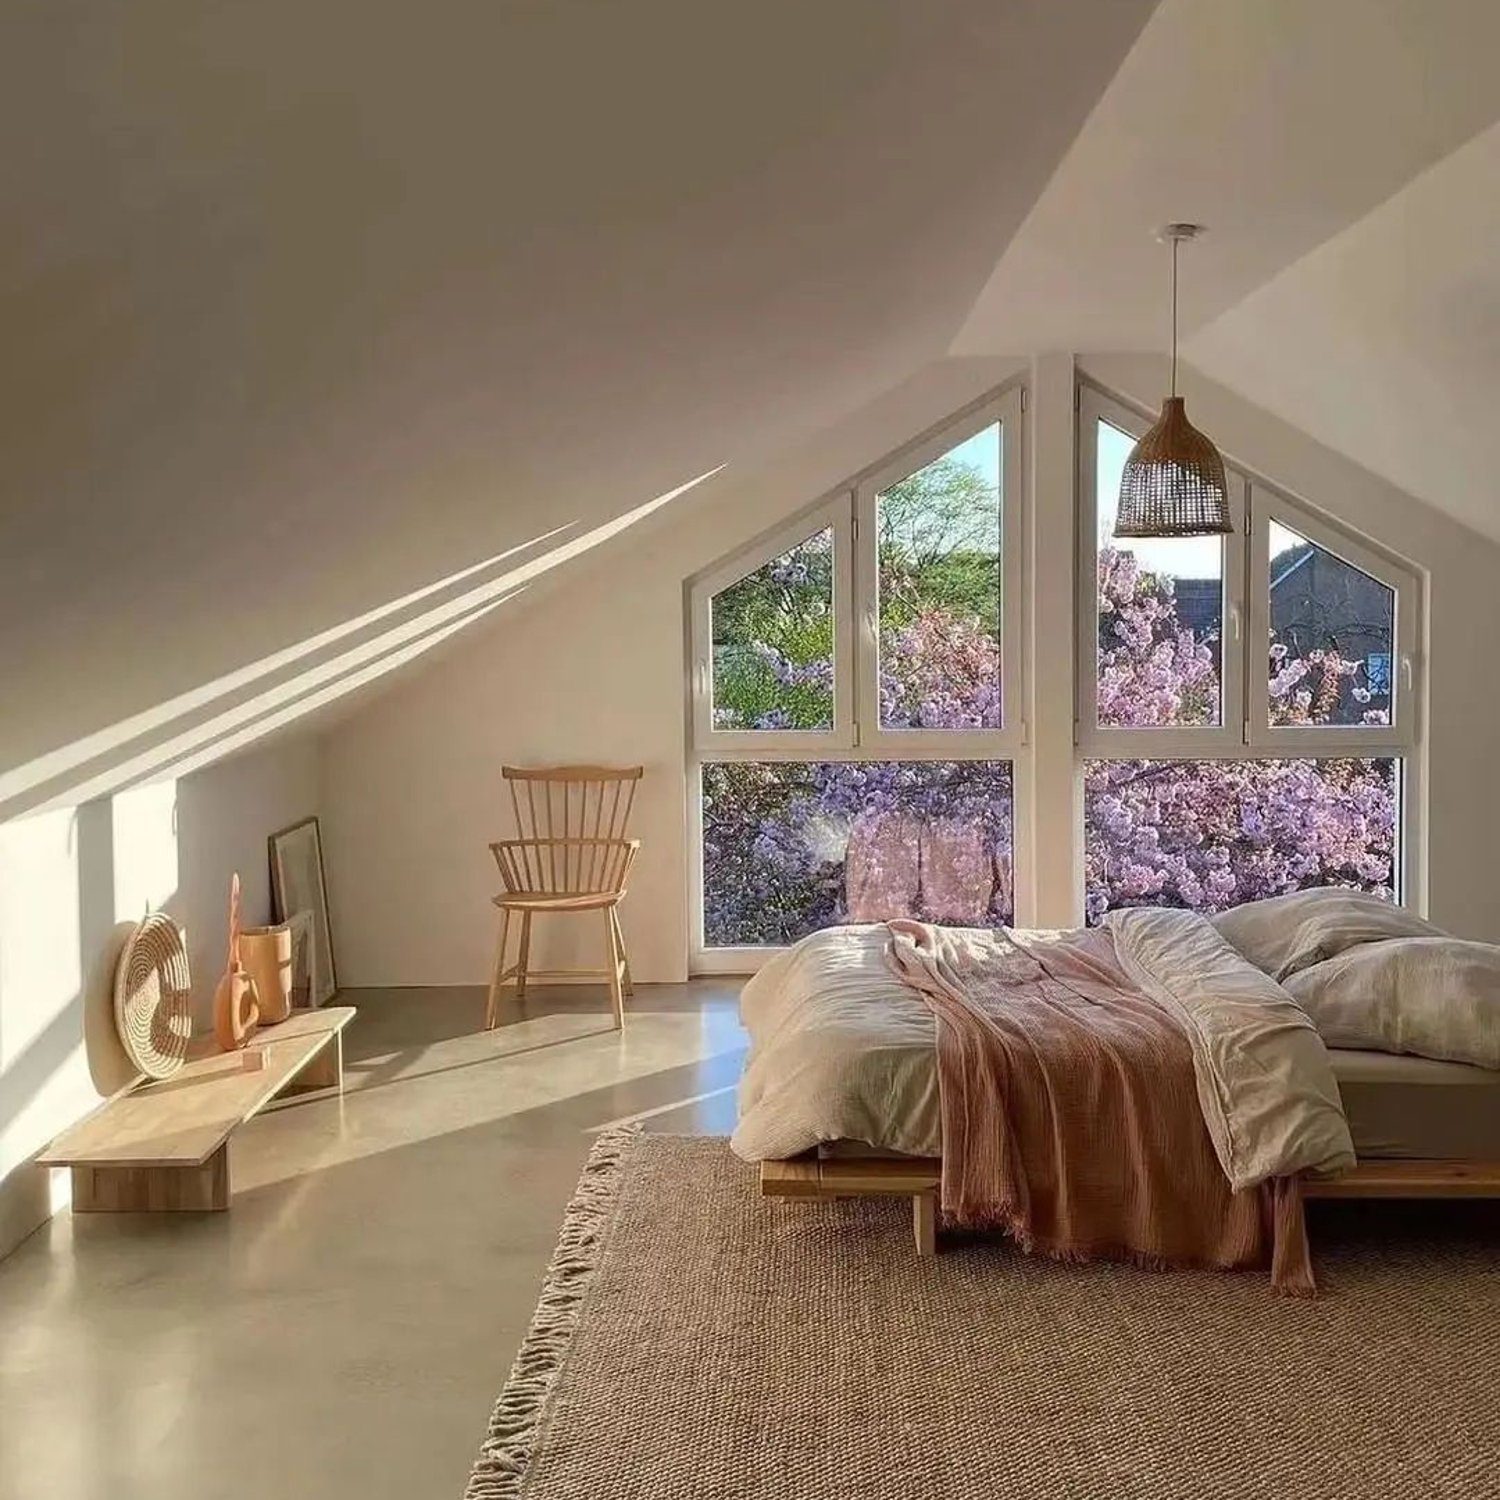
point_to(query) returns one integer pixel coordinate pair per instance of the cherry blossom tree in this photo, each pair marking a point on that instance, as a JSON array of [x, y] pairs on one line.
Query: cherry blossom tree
[[1204, 834], [1209, 834]]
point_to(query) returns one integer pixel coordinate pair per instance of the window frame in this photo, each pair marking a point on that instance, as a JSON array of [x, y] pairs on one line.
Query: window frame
[[746, 958], [1246, 733], [833, 513], [857, 735], [1267, 504], [1005, 411]]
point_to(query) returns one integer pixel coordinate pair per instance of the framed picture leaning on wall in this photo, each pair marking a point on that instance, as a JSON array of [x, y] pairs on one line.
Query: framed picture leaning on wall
[[301, 925], [298, 885]]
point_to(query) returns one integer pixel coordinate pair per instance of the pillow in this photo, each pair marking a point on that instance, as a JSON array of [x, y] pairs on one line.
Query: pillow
[[1285, 934], [1432, 996]]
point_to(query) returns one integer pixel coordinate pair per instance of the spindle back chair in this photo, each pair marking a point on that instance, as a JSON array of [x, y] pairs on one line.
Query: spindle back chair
[[572, 856]]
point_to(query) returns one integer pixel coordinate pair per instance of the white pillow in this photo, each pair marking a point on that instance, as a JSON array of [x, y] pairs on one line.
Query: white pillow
[[1285, 934], [1432, 996]]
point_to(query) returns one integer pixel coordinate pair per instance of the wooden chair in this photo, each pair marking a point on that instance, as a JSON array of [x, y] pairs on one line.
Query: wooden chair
[[572, 856]]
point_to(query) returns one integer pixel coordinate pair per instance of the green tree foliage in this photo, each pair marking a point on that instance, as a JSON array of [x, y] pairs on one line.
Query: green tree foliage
[[773, 643], [939, 546]]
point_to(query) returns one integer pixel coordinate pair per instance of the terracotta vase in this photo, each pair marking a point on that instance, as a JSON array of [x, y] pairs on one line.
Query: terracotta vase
[[235, 1008], [266, 954]]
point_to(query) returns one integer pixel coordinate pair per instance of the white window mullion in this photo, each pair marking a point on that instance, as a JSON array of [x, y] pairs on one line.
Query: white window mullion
[[1091, 408], [1014, 654], [846, 696], [865, 631]]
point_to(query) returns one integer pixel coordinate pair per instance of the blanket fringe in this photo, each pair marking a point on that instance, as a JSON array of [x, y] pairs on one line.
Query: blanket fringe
[[506, 1454], [1071, 1255]]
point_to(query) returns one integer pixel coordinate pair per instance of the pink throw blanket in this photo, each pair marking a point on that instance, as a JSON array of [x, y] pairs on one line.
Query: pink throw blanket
[[1070, 1112]]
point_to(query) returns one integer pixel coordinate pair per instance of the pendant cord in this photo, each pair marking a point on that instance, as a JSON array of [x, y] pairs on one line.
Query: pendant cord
[[1175, 244]]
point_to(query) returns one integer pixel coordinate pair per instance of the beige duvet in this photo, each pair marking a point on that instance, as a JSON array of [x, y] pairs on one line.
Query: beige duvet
[[842, 1050]]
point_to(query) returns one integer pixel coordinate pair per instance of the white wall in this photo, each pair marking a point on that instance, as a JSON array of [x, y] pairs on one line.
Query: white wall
[[72, 880], [592, 671]]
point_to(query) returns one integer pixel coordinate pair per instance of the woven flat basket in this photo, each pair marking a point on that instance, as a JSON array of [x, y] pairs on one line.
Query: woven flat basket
[[152, 997]]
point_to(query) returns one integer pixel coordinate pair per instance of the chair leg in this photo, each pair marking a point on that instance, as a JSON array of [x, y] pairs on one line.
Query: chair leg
[[614, 916], [525, 955], [612, 955], [497, 980]]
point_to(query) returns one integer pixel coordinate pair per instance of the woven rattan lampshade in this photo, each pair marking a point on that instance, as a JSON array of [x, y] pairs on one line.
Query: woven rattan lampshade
[[1173, 482]]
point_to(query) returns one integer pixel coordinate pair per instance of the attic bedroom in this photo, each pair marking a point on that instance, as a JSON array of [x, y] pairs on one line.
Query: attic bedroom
[[746, 750]]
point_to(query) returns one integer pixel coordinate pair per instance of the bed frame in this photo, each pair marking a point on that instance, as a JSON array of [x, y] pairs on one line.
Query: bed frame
[[917, 1177]]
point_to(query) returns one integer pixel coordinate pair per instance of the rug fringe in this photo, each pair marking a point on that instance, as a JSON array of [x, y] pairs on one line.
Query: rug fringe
[[506, 1453]]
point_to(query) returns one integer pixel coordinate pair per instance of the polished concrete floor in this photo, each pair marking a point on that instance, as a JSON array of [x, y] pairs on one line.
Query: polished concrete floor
[[343, 1330]]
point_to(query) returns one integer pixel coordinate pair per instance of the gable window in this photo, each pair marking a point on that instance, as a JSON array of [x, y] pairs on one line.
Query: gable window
[[1247, 705], [855, 687]]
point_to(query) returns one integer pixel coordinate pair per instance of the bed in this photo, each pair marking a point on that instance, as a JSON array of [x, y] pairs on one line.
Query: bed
[[836, 1032]]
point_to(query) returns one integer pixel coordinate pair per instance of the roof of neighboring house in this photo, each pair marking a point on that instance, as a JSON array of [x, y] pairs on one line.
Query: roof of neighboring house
[[1200, 602], [1288, 563]]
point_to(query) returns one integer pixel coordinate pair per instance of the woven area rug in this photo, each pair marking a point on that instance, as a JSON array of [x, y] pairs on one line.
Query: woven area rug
[[694, 1339]]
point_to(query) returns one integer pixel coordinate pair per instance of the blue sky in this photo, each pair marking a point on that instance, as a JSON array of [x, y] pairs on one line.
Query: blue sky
[[983, 451]]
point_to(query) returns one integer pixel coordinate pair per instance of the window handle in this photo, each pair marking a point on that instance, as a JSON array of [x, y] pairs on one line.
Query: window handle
[[1234, 623], [1406, 673]]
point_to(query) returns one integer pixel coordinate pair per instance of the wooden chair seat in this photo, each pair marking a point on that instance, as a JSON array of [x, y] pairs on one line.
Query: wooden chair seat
[[572, 856], [555, 900]]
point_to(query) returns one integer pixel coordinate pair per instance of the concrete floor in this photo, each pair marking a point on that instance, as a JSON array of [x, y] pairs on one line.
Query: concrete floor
[[344, 1329]]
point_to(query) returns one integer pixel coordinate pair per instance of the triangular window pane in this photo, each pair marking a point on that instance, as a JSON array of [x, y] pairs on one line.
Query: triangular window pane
[[773, 643], [1333, 629]]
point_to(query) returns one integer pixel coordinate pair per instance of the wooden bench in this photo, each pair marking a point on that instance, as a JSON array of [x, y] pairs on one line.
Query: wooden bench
[[164, 1146]]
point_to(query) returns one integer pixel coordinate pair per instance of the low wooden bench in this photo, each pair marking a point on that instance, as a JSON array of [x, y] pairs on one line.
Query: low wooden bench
[[164, 1146]]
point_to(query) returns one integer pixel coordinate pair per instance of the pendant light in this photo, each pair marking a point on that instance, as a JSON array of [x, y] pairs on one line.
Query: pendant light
[[1173, 483]]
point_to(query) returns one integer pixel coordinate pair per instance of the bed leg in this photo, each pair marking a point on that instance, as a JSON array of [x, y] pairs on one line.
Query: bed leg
[[924, 1221]]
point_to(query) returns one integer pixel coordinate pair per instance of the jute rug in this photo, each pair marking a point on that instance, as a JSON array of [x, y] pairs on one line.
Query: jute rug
[[694, 1339]]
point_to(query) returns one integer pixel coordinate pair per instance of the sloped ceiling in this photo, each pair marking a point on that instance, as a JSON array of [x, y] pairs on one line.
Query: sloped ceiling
[[1277, 123], [1385, 342], [1343, 155], [306, 307], [327, 328]]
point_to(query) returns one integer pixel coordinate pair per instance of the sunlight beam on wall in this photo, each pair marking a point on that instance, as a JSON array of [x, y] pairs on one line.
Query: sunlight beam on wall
[[188, 730]]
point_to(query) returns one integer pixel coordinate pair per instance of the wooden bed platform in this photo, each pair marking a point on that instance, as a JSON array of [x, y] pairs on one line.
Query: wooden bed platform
[[917, 1177]]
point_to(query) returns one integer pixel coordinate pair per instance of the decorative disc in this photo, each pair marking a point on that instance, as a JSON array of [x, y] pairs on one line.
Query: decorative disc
[[152, 997]]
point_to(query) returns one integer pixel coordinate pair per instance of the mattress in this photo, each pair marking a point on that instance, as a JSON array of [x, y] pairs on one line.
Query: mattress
[[1415, 1107], [870, 1075], [1406, 1107]]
